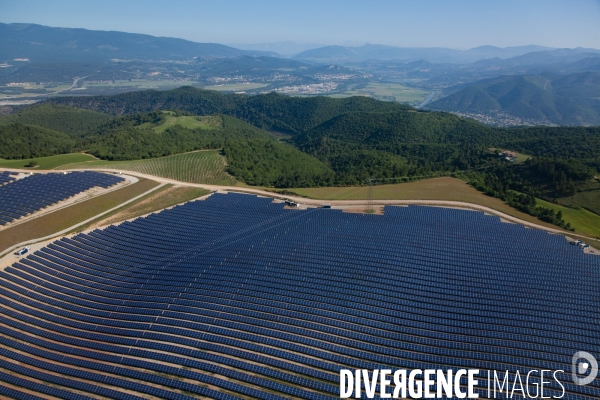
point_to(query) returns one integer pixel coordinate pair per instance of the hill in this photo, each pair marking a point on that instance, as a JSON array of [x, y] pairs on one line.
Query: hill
[[271, 111], [318, 141], [19, 141], [161, 134], [71, 121], [47, 44], [571, 99], [196, 167]]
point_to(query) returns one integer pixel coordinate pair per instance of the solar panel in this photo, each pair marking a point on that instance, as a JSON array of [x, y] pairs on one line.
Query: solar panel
[[19, 198], [235, 296]]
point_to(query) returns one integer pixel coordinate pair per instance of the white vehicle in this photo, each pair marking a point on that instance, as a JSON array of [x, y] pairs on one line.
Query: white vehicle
[[23, 251]]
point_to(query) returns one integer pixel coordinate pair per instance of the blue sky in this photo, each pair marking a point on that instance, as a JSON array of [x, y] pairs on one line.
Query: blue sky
[[454, 24]]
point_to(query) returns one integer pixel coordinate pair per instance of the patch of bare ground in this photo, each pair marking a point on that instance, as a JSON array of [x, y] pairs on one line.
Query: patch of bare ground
[[375, 210], [167, 197]]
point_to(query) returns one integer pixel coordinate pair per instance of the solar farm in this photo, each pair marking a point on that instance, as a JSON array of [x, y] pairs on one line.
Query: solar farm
[[238, 297], [19, 198], [7, 177]]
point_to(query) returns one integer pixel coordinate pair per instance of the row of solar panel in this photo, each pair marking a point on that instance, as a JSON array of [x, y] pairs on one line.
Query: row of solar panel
[[319, 255], [154, 341], [342, 282], [119, 359], [197, 281], [505, 263], [103, 325], [250, 324], [293, 312], [7, 177], [299, 311], [32, 193], [527, 253]]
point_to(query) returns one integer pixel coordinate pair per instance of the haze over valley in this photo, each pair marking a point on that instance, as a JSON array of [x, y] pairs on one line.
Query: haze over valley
[[39, 62]]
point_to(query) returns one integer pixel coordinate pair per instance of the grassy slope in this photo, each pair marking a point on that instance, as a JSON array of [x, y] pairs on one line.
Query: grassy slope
[[588, 197], [429, 189], [167, 196], [48, 162], [195, 167], [584, 221], [62, 219], [189, 122]]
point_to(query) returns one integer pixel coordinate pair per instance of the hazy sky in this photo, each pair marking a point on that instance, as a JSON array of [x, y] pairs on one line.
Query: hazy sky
[[455, 24]]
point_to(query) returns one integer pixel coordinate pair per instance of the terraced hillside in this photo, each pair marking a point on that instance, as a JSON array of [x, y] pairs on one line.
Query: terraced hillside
[[244, 299], [196, 167]]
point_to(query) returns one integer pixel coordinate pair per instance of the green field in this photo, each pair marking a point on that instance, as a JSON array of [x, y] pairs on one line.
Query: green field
[[387, 91], [585, 222], [197, 167], [588, 196], [48, 162], [164, 83], [235, 87], [137, 83], [49, 91], [189, 122], [451, 189]]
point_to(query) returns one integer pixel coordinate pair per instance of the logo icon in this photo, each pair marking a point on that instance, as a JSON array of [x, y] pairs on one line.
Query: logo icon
[[590, 365]]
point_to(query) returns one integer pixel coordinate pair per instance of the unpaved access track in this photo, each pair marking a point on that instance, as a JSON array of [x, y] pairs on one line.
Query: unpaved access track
[[351, 205]]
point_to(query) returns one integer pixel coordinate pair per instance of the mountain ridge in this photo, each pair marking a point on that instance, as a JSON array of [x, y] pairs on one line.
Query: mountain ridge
[[40, 43], [572, 99], [337, 53]]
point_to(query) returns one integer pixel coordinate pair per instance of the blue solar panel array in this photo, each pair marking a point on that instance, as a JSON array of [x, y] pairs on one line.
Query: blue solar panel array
[[30, 194], [237, 297], [7, 177]]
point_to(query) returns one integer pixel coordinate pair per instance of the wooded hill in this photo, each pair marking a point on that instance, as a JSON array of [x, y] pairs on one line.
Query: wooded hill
[[325, 141], [571, 99], [271, 111]]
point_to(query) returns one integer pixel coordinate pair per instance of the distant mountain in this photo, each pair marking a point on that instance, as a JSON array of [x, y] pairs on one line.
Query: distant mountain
[[286, 49], [46, 44], [548, 59], [572, 99], [433, 54]]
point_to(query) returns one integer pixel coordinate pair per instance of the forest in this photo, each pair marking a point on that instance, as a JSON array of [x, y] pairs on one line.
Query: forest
[[282, 141]]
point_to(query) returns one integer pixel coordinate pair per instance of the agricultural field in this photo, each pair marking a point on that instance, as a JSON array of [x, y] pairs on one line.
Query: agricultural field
[[136, 83], [125, 85], [189, 122], [206, 166], [45, 163], [31, 91], [387, 91], [235, 87]]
